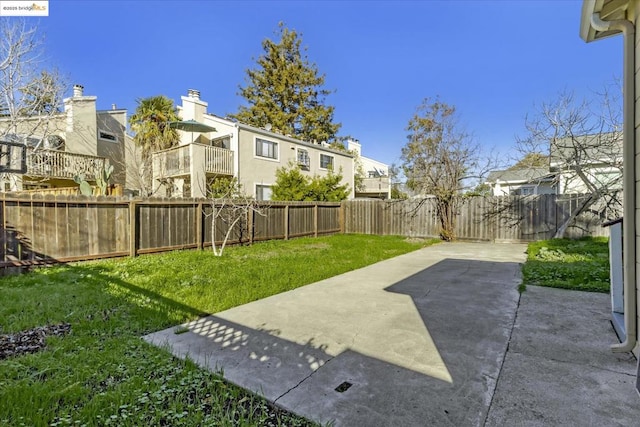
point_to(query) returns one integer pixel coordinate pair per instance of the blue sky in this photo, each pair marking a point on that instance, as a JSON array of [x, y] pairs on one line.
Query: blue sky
[[493, 60]]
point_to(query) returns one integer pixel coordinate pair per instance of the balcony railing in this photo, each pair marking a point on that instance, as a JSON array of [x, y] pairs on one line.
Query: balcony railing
[[217, 160], [177, 161], [375, 185], [62, 165]]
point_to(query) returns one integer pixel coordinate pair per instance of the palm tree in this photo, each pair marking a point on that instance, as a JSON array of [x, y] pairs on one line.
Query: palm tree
[[150, 122]]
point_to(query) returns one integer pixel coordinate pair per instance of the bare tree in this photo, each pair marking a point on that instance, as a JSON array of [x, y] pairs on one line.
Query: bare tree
[[583, 139], [30, 97], [439, 159], [230, 208]]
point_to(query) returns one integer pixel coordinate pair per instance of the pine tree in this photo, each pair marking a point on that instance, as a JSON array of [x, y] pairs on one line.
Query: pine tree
[[285, 90]]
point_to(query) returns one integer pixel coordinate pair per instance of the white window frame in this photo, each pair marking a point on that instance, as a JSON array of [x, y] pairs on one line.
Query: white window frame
[[111, 134], [263, 157], [303, 159], [333, 163], [263, 186]]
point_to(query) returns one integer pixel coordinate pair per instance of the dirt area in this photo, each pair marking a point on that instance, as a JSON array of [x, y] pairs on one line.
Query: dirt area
[[30, 341]]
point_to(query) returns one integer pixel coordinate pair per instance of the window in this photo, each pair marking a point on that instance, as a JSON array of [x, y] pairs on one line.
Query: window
[[107, 136], [222, 142], [303, 159], [612, 180], [326, 161], [527, 191], [268, 149], [263, 192]]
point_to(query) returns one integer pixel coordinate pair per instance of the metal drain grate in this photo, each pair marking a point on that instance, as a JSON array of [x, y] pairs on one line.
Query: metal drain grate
[[343, 387]]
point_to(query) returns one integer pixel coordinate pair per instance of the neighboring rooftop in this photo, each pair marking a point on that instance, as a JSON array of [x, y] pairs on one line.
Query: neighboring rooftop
[[519, 175]]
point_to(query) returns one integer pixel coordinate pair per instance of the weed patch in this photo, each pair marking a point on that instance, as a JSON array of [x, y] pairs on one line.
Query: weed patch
[[570, 264]]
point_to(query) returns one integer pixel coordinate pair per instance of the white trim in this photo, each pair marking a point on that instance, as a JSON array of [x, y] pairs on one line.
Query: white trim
[[306, 165], [270, 159], [261, 184], [333, 162]]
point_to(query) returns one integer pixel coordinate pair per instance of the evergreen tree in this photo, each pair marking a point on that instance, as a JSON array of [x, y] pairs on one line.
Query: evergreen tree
[[292, 185], [285, 91], [41, 95]]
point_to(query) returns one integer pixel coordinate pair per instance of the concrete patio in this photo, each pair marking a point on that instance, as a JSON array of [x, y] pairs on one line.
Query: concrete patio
[[439, 336]]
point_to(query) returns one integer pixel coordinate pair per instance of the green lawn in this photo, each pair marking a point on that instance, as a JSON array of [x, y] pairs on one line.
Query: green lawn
[[102, 373], [570, 264]]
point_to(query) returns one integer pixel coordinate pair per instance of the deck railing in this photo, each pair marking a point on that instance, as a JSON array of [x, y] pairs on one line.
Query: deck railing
[[177, 161], [375, 185], [62, 165]]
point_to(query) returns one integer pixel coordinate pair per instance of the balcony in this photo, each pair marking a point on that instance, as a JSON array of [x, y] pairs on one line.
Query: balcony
[[374, 186], [54, 164], [177, 161]]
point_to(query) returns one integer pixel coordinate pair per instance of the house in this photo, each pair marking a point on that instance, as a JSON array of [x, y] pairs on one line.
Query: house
[[374, 175], [599, 19], [78, 140], [599, 157], [572, 160], [522, 182], [225, 148]]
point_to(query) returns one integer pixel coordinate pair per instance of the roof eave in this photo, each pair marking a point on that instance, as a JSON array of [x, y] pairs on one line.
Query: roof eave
[[608, 10]]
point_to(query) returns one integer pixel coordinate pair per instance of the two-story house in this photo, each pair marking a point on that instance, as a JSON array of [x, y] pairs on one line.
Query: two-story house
[[78, 140], [575, 163], [213, 146], [374, 182]]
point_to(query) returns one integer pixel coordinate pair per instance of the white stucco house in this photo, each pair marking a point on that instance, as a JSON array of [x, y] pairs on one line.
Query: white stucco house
[[226, 148], [375, 182], [78, 140]]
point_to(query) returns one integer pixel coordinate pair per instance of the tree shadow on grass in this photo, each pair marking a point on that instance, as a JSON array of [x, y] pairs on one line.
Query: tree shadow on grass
[[102, 370]]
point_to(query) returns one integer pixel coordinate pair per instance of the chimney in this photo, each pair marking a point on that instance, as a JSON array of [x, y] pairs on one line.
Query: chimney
[[113, 107], [192, 93], [78, 91], [193, 108]]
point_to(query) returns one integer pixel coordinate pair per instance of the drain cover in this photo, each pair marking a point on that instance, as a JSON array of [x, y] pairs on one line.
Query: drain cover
[[343, 387]]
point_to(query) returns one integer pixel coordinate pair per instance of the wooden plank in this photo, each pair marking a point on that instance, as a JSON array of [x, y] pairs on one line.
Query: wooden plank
[[62, 229], [199, 235], [133, 229], [286, 222]]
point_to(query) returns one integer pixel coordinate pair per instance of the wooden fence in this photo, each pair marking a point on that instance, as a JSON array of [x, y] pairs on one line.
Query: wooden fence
[[39, 229], [500, 219]]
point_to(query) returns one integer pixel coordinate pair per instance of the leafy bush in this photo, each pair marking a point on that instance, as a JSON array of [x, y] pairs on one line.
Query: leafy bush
[[292, 185]]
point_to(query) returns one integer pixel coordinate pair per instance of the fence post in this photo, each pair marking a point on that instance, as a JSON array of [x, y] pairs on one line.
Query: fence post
[[315, 220], [250, 222], [133, 235], [341, 215], [286, 222], [199, 227]]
